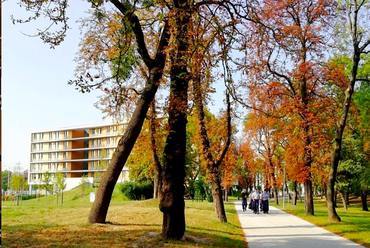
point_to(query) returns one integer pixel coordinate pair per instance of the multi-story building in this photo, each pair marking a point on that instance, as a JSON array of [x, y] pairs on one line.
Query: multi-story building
[[75, 152]]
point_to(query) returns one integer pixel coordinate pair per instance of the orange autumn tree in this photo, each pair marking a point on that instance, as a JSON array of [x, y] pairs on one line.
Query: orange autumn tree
[[286, 46], [246, 167], [228, 169]]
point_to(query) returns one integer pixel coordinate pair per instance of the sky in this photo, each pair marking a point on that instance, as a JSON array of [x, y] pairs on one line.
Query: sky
[[35, 93]]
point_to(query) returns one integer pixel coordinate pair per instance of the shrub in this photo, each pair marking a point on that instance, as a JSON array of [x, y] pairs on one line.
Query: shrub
[[137, 191]]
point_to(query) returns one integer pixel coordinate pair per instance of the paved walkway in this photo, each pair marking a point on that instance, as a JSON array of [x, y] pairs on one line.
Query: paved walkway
[[279, 229]]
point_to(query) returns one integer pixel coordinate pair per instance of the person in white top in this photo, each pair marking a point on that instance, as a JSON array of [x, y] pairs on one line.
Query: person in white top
[[255, 199]]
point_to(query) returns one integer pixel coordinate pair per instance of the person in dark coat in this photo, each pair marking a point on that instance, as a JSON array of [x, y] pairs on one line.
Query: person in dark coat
[[265, 201], [244, 200]]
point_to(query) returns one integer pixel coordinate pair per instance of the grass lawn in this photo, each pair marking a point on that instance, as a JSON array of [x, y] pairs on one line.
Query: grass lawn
[[355, 224], [40, 223]]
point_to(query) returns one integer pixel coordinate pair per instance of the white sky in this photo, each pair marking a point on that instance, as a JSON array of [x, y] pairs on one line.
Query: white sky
[[35, 93]]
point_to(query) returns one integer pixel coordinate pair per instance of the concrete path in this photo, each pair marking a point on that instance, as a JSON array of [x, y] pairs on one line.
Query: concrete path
[[279, 229]]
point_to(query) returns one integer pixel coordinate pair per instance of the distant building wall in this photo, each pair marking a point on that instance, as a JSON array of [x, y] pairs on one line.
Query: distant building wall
[[75, 152]]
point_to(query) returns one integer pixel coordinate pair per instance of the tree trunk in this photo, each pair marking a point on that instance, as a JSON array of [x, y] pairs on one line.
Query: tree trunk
[[308, 197], [213, 166], [346, 195], [276, 195], [294, 202], [364, 200], [62, 198], [109, 178], [342, 121], [217, 197], [172, 202], [157, 163], [273, 178], [342, 195]]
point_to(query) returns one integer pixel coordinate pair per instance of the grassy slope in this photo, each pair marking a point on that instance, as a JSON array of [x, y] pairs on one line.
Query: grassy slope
[[39, 223], [355, 223]]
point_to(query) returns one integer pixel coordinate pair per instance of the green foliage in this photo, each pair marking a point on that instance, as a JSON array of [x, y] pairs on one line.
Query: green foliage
[[124, 63], [137, 191], [362, 102], [46, 180], [5, 178], [17, 182], [200, 189], [60, 182]]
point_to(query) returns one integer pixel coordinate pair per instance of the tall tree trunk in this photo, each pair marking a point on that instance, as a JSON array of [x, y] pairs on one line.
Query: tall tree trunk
[[357, 50], [172, 202], [109, 178], [346, 195], [294, 202], [212, 165], [364, 200], [342, 195], [155, 67], [157, 163], [273, 178], [276, 195]]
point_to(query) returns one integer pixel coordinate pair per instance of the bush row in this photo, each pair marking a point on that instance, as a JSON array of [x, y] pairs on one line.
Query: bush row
[[137, 191]]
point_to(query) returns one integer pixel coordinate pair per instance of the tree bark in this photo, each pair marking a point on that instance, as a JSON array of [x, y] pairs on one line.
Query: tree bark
[[364, 200], [344, 202], [308, 197], [172, 202], [295, 198], [157, 163], [109, 178]]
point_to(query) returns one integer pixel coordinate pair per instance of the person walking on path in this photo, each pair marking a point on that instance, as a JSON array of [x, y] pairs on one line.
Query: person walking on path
[[244, 200], [256, 200], [265, 201]]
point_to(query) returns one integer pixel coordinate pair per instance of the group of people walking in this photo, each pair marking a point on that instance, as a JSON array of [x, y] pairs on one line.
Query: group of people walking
[[259, 201]]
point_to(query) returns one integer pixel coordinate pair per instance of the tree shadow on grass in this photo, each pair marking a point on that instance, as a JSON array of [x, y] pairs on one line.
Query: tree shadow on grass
[[111, 235]]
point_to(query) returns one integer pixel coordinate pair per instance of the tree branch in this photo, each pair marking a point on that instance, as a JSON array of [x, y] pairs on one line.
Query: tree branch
[[127, 10]]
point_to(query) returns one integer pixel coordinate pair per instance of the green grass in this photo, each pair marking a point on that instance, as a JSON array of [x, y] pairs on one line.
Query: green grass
[[40, 223], [355, 224]]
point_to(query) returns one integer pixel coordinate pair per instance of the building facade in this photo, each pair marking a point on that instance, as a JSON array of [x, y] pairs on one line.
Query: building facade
[[82, 152]]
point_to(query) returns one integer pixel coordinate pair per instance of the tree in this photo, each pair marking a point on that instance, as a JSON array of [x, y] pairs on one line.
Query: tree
[[360, 42], [56, 13], [17, 184], [61, 185], [5, 179], [284, 45], [46, 183]]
